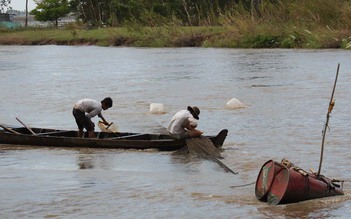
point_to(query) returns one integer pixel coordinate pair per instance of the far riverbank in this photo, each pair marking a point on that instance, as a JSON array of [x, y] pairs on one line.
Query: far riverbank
[[179, 36]]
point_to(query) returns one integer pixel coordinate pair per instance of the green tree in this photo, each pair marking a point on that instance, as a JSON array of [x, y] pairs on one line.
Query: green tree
[[51, 10], [93, 12], [4, 4], [151, 13]]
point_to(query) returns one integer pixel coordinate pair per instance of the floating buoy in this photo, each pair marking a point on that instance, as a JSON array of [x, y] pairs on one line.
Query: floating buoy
[[235, 104], [157, 108]]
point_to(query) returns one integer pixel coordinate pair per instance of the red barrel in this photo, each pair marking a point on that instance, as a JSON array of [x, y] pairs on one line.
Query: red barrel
[[290, 186], [265, 178]]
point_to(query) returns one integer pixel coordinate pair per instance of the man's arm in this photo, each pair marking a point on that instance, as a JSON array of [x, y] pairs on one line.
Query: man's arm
[[191, 126], [103, 119]]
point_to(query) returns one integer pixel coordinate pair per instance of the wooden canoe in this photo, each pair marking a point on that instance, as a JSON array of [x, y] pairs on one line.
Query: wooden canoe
[[122, 140]]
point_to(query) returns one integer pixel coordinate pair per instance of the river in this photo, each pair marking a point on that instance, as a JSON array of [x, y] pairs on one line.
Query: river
[[286, 93]]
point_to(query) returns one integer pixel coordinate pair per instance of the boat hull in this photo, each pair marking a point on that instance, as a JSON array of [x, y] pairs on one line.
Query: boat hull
[[67, 138]]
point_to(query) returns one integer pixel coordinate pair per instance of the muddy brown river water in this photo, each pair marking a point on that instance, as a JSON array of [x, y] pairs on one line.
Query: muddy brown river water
[[286, 93]]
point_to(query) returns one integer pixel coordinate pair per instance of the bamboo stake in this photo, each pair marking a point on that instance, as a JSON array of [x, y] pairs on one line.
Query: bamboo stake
[[29, 129], [9, 129], [330, 108]]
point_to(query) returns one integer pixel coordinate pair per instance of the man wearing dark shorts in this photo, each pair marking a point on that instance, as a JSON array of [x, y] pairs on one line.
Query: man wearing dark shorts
[[86, 109]]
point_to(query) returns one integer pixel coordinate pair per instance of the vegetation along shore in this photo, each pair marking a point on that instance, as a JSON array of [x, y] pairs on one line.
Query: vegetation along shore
[[226, 24]]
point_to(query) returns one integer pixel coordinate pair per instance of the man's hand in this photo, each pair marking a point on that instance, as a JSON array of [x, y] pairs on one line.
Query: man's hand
[[107, 123], [195, 133]]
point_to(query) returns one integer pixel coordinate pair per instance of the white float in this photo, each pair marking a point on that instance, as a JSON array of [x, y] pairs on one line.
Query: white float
[[157, 108], [235, 104]]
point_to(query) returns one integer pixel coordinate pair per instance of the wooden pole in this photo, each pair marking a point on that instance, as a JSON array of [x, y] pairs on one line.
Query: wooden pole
[[9, 129], [26, 23], [26, 126], [252, 10], [330, 108]]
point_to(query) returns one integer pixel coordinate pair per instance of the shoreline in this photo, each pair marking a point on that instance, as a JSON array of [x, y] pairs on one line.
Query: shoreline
[[176, 36]]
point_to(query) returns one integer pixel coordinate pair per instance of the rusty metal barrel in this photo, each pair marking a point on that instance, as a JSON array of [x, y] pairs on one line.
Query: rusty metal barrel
[[265, 179], [290, 186]]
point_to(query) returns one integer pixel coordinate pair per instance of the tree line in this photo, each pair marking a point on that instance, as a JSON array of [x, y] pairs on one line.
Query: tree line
[[152, 13], [155, 12], [145, 12]]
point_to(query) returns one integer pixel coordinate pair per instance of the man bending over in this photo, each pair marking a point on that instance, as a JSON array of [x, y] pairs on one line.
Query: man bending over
[[86, 109]]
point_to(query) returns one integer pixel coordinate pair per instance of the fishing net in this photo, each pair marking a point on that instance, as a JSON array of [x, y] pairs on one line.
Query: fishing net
[[204, 148]]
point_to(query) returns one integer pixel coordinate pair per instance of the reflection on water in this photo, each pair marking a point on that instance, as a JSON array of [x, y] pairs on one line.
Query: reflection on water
[[286, 93], [85, 162], [331, 207]]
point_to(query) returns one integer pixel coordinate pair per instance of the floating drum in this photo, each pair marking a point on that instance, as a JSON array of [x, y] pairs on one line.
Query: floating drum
[[265, 178], [290, 186], [235, 104], [157, 108]]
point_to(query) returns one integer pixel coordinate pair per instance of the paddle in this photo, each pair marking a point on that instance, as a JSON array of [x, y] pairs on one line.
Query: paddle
[[26, 126], [9, 129]]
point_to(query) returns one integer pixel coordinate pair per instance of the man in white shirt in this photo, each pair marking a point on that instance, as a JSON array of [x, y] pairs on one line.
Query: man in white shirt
[[86, 109], [184, 123]]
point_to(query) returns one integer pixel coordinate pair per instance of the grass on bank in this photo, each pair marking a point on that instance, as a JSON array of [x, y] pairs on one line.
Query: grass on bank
[[220, 36], [284, 24], [123, 36]]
